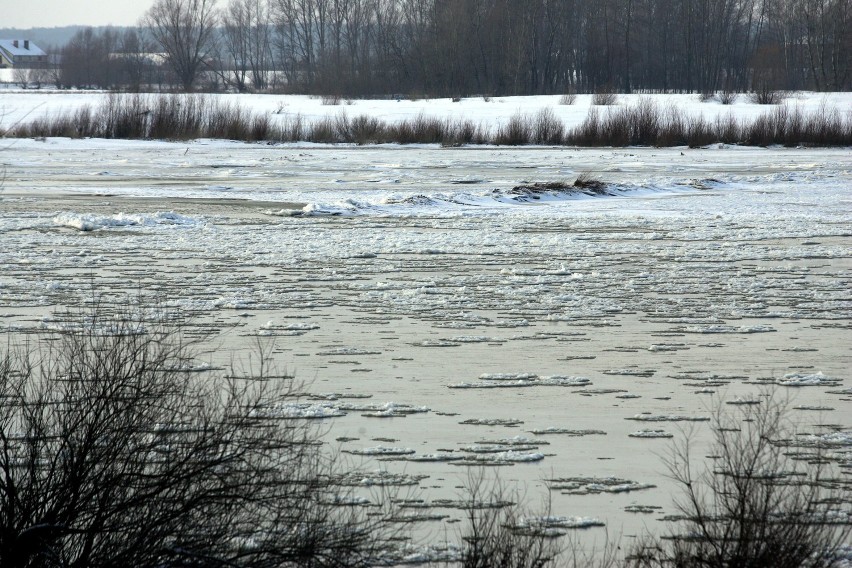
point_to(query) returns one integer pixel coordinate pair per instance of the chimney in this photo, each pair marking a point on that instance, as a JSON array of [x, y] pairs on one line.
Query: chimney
[[26, 44], [15, 43]]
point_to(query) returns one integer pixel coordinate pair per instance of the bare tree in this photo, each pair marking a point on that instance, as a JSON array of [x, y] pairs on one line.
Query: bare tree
[[755, 506], [135, 67], [184, 29], [86, 59], [117, 449], [246, 42], [21, 76]]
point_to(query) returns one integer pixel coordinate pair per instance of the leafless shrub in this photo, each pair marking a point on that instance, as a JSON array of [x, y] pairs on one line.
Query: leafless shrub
[[627, 126], [421, 129], [323, 131], [517, 131], [116, 448], [604, 98], [792, 127], [672, 129], [616, 128], [227, 122], [123, 117], [646, 124], [185, 117], [706, 96], [77, 124], [463, 132], [728, 129], [568, 99], [826, 127], [764, 95], [362, 129], [547, 128], [177, 117], [699, 132], [260, 128], [331, 100], [645, 118], [291, 129], [754, 506], [727, 97], [589, 132]]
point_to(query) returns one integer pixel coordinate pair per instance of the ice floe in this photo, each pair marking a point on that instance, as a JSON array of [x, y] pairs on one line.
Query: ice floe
[[728, 329], [299, 410], [555, 525], [90, 222], [567, 432], [380, 478], [381, 451], [650, 434], [492, 421], [667, 418], [594, 485], [807, 380]]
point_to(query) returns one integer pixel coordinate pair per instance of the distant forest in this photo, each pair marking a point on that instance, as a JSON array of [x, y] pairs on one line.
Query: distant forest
[[473, 47]]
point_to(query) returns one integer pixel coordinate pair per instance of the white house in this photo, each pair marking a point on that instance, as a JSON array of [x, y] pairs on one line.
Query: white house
[[21, 53]]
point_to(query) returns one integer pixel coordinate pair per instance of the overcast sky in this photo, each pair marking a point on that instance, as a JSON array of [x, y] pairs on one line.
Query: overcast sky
[[51, 13]]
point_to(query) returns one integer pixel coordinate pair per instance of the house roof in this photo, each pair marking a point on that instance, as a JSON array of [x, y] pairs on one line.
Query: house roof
[[8, 46]]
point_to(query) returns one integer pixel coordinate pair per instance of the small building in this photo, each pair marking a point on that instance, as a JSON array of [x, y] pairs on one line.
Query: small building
[[21, 53]]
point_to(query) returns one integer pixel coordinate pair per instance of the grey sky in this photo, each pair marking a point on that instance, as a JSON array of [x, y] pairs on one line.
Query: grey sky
[[51, 13]]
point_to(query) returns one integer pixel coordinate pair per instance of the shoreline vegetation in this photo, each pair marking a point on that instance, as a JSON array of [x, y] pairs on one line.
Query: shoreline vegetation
[[645, 123]]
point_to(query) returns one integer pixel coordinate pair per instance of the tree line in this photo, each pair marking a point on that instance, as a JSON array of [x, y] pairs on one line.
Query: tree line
[[467, 47]]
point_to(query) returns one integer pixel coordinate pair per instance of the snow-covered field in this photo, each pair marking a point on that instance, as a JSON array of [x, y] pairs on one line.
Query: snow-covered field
[[444, 319]]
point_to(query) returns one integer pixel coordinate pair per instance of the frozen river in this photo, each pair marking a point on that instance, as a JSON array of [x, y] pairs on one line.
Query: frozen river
[[435, 308]]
